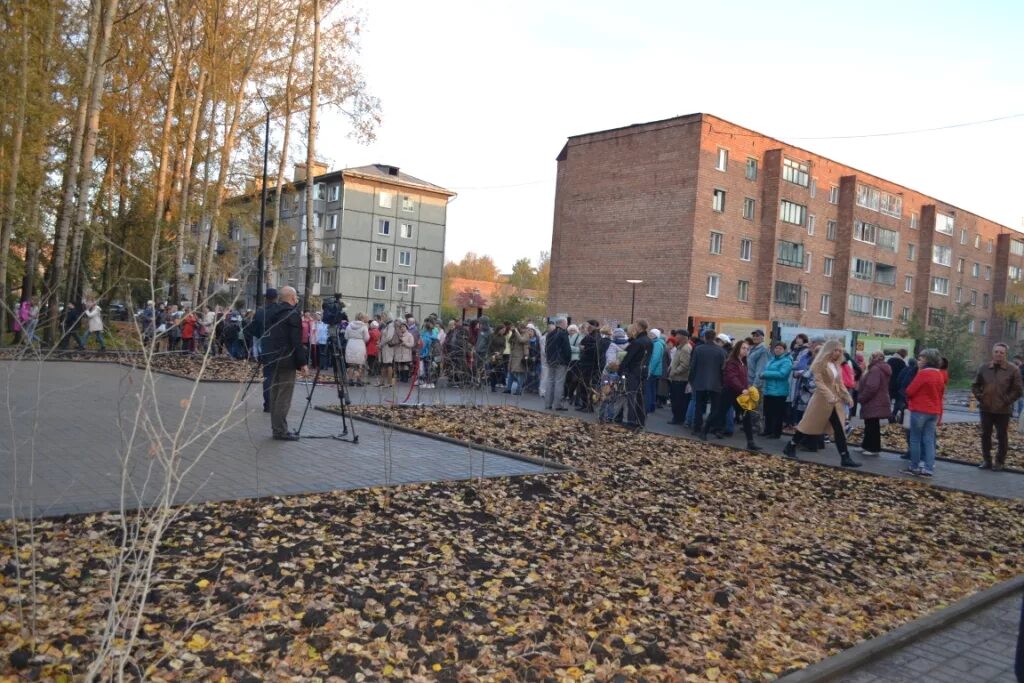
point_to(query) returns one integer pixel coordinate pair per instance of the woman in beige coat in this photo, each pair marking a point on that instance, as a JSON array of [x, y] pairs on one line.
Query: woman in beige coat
[[825, 411]]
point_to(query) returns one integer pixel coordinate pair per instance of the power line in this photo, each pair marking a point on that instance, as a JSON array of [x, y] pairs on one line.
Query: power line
[[905, 132], [500, 187]]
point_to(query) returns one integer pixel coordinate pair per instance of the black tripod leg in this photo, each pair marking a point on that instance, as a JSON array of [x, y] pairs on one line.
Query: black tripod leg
[[309, 401], [338, 364]]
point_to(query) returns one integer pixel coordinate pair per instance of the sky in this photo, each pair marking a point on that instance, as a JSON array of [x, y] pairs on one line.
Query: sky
[[480, 97]]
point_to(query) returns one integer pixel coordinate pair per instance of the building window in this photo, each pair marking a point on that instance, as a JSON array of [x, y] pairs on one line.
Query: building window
[[941, 255], [795, 172], [976, 269], [403, 285], [988, 272], [384, 227], [807, 262], [713, 282], [810, 224], [936, 316], [887, 239], [882, 308], [892, 205], [321, 191], [960, 265], [748, 208], [963, 235], [332, 221], [386, 199], [751, 171], [830, 231], [405, 230], [405, 258], [407, 203], [862, 269], [913, 221], [787, 294], [868, 197], [814, 192], [864, 232], [977, 241], [885, 274], [381, 256], [833, 194], [1017, 247], [826, 303], [859, 304], [974, 297], [959, 295], [970, 326], [317, 221], [716, 243], [743, 290], [380, 283], [1011, 329], [718, 201], [291, 250], [746, 249], [790, 254], [989, 246], [829, 265], [908, 283], [1013, 272], [984, 300], [791, 212], [332, 249], [905, 315], [940, 285], [944, 224], [723, 159], [911, 252], [983, 327], [804, 296]]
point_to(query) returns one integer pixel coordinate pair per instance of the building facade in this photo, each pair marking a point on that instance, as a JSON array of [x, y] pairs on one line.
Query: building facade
[[722, 222], [379, 237]]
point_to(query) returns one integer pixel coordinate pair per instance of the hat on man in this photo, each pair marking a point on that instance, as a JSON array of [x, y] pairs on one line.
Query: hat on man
[[757, 333], [619, 335], [724, 338], [593, 323], [271, 293], [682, 333]]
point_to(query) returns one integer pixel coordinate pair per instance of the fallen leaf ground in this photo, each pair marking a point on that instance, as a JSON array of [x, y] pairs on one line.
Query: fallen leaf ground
[[959, 441], [656, 559]]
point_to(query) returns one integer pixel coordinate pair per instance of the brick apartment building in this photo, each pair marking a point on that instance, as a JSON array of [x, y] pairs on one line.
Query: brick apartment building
[[720, 221]]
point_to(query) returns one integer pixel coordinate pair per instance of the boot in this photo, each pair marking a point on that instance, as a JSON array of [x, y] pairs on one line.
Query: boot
[[751, 446], [789, 450], [847, 461], [986, 462]]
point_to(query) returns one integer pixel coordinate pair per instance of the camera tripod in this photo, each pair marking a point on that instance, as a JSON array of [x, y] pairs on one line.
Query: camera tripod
[[337, 358]]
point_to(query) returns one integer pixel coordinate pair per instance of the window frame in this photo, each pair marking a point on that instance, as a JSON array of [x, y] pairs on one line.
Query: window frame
[[787, 207], [718, 200], [751, 170], [384, 194], [943, 289], [791, 288], [828, 266], [384, 227], [383, 279], [825, 307], [401, 231], [407, 261], [948, 224], [743, 290], [715, 278], [722, 159], [746, 244], [749, 208], [716, 239], [794, 171], [377, 255], [833, 194]]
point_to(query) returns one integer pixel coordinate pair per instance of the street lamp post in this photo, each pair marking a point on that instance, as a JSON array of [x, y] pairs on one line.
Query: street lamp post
[[632, 308], [263, 208], [412, 306]]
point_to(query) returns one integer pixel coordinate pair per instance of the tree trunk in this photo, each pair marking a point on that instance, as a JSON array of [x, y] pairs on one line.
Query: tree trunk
[[188, 172], [204, 218], [161, 176], [10, 213], [310, 158]]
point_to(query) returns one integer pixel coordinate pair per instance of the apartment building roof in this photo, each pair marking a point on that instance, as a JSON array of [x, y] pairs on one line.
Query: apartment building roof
[[393, 174]]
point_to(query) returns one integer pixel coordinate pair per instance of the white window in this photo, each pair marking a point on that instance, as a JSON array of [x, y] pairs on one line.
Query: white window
[[795, 172], [403, 285], [407, 203], [405, 230], [864, 232], [943, 224], [814, 192], [791, 212], [989, 246], [985, 299], [384, 227], [960, 265], [807, 262], [976, 269], [868, 197], [335, 193], [830, 231], [751, 171], [291, 249], [718, 201], [984, 327], [332, 249], [713, 282], [970, 326], [833, 194], [321, 191], [882, 308], [829, 266], [1017, 247], [810, 224], [790, 254], [913, 221], [892, 204], [974, 297], [826, 303], [317, 221], [381, 256], [859, 304], [988, 272], [380, 283], [911, 252], [977, 241], [748, 208], [862, 269], [963, 235], [959, 294], [723, 159], [746, 249], [385, 199], [404, 258], [887, 239], [940, 285], [1013, 272], [908, 283], [905, 315], [804, 294], [332, 221], [941, 255], [743, 290], [716, 243]]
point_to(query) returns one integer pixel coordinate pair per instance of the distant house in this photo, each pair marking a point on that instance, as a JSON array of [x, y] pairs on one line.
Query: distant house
[[489, 291]]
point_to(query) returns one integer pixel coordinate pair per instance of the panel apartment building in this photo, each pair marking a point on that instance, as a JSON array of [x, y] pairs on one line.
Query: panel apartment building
[[379, 238], [720, 221]]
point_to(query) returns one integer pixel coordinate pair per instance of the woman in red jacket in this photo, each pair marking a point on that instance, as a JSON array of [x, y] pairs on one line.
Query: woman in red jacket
[[373, 347], [924, 398], [734, 385]]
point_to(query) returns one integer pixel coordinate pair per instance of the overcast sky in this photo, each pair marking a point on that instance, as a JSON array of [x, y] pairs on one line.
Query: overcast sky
[[480, 96]]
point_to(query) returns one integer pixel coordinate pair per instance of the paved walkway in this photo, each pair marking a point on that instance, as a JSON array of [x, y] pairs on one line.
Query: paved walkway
[[68, 420]]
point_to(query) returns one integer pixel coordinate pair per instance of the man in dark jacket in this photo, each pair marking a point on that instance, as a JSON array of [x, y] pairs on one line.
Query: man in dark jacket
[[283, 351], [558, 353], [257, 330], [897, 362], [634, 368], [997, 387], [706, 364], [590, 369]]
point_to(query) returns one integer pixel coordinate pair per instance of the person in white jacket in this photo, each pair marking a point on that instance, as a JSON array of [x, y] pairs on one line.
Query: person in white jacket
[[357, 334], [94, 322]]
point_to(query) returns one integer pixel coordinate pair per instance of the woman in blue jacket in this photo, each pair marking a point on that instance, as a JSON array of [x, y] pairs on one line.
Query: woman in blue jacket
[[776, 389]]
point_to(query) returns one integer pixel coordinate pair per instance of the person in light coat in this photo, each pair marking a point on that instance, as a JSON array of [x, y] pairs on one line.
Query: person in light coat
[[357, 335], [825, 413], [94, 325]]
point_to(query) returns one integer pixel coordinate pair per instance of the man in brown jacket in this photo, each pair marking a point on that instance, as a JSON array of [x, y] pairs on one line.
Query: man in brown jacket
[[678, 376], [997, 386]]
